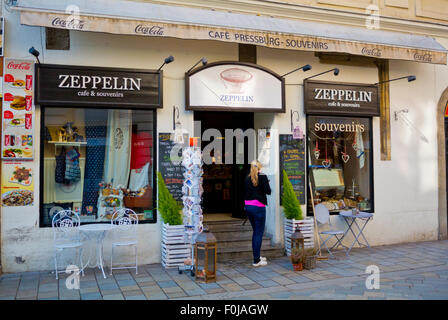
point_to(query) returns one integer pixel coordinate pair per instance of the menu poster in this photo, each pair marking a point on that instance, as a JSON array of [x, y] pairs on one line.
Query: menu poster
[[292, 160], [172, 173], [18, 110], [17, 184]]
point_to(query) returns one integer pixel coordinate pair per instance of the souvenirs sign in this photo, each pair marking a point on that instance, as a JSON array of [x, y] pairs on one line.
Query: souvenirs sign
[[18, 110]]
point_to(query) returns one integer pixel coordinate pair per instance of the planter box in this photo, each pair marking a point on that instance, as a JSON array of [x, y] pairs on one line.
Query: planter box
[[174, 248], [306, 227]]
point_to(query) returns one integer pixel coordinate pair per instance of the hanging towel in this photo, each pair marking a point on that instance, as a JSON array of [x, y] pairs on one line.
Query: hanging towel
[[360, 149], [59, 172], [72, 170]]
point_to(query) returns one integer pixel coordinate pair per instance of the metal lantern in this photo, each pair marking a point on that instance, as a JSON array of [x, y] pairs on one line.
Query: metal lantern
[[298, 240], [205, 253]]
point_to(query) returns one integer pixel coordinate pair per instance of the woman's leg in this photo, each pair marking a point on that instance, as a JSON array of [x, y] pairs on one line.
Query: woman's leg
[[259, 224], [251, 215]]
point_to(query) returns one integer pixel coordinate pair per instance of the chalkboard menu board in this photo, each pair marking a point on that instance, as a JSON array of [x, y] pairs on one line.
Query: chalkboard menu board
[[292, 160], [172, 173]]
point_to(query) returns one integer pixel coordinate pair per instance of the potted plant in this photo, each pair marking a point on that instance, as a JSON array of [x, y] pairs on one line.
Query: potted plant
[[310, 258], [294, 217], [297, 258], [174, 248]]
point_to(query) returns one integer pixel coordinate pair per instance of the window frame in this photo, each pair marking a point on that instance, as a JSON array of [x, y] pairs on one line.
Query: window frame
[[41, 158], [371, 169]]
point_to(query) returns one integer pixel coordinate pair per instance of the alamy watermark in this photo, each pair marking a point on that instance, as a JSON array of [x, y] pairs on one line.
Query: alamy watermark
[[373, 18], [373, 280]]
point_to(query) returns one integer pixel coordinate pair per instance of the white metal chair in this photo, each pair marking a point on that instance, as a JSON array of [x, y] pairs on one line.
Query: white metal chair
[[322, 218], [124, 234], [65, 224]]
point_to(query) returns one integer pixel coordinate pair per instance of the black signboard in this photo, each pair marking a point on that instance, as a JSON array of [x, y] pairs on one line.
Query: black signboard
[[172, 173], [334, 98], [94, 86], [292, 160]]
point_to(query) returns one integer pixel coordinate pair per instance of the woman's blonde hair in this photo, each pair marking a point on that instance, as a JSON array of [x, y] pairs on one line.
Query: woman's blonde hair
[[255, 166]]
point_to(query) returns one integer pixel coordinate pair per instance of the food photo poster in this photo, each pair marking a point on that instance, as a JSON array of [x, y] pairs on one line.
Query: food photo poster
[[18, 110], [17, 184]]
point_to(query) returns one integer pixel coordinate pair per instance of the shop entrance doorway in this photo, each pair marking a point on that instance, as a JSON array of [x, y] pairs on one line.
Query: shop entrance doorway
[[224, 183]]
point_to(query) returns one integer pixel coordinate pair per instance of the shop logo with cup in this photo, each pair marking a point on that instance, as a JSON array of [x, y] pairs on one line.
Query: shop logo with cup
[[236, 81]]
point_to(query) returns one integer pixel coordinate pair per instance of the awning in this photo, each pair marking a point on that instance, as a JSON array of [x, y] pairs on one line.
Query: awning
[[154, 20]]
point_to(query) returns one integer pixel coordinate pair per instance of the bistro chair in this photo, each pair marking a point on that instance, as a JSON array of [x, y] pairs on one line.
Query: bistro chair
[[65, 225], [124, 234], [323, 218]]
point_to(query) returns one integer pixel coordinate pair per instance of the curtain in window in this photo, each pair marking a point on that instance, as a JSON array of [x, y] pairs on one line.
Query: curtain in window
[[118, 148]]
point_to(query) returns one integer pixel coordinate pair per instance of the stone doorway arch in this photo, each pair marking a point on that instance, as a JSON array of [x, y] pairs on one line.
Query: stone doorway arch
[[442, 176]]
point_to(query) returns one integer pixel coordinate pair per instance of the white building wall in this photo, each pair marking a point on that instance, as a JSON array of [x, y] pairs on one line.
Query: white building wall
[[405, 188]]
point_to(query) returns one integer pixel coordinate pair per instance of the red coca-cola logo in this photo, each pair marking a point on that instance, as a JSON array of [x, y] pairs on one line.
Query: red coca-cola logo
[[8, 115], [9, 77], [19, 66], [8, 97]]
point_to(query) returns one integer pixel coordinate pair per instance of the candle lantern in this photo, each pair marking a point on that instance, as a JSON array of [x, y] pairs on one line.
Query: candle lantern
[[205, 253]]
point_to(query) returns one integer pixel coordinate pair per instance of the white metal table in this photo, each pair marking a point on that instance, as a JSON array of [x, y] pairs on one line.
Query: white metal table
[[351, 219], [96, 233]]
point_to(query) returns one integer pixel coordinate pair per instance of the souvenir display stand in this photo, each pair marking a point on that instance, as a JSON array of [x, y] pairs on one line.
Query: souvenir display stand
[[192, 193]]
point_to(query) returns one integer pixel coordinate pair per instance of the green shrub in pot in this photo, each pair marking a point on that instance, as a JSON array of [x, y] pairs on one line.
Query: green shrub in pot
[[168, 207], [290, 203]]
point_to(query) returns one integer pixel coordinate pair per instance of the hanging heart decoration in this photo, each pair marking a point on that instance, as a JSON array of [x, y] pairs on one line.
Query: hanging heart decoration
[[345, 157], [355, 146], [326, 163]]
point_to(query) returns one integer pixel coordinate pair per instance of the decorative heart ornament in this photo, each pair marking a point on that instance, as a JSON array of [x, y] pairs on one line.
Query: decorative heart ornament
[[316, 154], [326, 163], [345, 157], [355, 147]]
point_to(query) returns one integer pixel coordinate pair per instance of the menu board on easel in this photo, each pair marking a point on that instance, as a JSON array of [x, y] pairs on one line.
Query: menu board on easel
[[171, 169], [292, 160], [18, 110]]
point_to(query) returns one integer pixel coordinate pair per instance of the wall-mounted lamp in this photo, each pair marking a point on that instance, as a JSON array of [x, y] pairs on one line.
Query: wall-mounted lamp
[[292, 116], [410, 79], [304, 68], [396, 113], [335, 72], [166, 61], [35, 53], [203, 60], [174, 117]]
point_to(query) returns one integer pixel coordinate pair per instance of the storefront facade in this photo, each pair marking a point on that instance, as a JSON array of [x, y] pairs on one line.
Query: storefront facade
[[403, 193]]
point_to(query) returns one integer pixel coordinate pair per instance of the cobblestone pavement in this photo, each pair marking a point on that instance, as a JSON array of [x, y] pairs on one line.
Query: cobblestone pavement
[[407, 271]]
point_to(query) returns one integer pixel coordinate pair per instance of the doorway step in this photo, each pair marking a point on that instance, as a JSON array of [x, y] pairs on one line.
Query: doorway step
[[235, 241]]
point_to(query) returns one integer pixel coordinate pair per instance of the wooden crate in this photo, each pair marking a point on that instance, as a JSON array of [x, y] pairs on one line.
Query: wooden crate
[[174, 249], [306, 227]]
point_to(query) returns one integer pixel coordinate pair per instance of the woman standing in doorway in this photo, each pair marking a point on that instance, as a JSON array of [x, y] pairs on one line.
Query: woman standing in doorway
[[257, 187]]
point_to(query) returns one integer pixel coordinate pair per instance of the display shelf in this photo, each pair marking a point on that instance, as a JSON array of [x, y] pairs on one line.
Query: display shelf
[[69, 143]]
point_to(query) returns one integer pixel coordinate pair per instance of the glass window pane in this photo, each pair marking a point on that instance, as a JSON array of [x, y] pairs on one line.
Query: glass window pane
[[96, 161], [340, 162]]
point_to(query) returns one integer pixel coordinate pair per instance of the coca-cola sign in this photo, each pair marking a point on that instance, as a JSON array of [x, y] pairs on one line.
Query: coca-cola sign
[[19, 65], [69, 23], [112, 87], [149, 30]]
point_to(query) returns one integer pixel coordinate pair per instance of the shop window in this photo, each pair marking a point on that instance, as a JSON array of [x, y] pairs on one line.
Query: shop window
[[96, 161], [340, 162]]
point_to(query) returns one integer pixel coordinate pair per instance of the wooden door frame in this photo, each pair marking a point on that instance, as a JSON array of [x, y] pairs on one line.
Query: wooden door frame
[[442, 174]]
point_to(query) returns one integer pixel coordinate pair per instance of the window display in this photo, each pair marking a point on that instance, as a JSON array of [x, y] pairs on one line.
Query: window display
[[339, 156], [97, 161]]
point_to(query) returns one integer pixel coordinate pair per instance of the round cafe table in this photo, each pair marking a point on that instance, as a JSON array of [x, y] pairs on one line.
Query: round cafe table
[[351, 219], [96, 234]]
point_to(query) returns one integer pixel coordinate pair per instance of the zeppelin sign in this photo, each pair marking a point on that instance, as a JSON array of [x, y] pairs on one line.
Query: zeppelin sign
[[341, 98], [114, 87]]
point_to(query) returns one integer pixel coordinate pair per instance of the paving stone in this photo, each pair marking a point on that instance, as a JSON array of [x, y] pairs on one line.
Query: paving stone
[[91, 296], [113, 297]]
